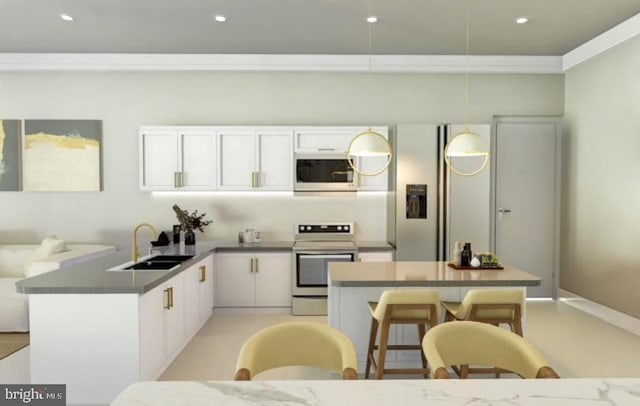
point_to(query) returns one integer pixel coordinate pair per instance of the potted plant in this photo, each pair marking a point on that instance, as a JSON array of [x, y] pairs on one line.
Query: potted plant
[[189, 222]]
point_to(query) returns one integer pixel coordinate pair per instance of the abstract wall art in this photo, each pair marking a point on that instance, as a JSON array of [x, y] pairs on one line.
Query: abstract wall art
[[62, 155], [10, 155]]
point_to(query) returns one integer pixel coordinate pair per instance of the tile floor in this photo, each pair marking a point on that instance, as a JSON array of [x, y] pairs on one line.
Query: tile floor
[[576, 344]]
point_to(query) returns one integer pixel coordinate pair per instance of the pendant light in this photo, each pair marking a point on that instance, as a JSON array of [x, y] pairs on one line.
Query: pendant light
[[466, 143], [369, 144]]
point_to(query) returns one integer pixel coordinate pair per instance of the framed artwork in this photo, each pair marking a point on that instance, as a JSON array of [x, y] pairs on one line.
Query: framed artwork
[[62, 155], [10, 155]]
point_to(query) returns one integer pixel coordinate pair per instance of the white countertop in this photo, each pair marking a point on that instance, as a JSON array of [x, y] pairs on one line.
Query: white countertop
[[495, 392], [424, 273]]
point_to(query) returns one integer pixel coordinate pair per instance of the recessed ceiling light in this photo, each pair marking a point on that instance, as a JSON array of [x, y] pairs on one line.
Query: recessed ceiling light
[[66, 17], [372, 19], [522, 20], [220, 18]]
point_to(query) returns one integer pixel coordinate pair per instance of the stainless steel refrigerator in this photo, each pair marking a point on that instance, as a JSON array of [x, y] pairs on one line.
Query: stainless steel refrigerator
[[428, 206]]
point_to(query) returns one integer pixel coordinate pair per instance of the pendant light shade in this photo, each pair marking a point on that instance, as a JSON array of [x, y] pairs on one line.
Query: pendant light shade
[[369, 145], [466, 144]]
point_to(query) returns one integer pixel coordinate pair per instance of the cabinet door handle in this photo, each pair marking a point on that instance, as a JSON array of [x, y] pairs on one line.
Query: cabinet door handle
[[252, 265], [326, 149], [257, 265], [181, 179], [168, 301], [255, 181], [176, 179], [203, 273], [171, 297]]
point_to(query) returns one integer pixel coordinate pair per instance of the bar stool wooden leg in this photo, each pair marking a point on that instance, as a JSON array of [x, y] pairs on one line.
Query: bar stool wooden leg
[[372, 342], [382, 348], [421, 332]]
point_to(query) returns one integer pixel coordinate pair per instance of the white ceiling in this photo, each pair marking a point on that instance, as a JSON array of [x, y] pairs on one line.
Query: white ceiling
[[405, 27]]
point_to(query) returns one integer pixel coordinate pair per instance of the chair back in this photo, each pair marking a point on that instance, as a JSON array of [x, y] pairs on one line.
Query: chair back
[[408, 305], [470, 342], [492, 306], [297, 344]]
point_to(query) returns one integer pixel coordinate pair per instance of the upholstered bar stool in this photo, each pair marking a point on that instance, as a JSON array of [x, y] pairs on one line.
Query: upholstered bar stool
[[470, 342], [487, 306], [297, 344], [416, 306]]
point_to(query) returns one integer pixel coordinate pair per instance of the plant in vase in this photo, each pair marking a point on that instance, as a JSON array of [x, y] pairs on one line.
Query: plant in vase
[[190, 222]]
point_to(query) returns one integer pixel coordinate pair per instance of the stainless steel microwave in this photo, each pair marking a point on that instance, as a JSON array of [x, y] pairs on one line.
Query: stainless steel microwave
[[320, 172]]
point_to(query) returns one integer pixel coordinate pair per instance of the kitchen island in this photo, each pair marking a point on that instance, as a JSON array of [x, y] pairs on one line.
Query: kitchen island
[[98, 328], [353, 284]]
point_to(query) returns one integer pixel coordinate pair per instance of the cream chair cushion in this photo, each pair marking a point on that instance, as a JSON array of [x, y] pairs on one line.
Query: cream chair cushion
[[297, 344], [470, 342], [405, 296]]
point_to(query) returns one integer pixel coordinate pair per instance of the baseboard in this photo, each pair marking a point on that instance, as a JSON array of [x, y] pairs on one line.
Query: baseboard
[[251, 310], [618, 319]]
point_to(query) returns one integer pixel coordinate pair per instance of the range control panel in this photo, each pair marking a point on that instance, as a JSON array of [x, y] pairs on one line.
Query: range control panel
[[325, 228]]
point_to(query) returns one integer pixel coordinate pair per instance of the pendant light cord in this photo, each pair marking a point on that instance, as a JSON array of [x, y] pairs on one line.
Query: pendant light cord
[[370, 61], [466, 70]]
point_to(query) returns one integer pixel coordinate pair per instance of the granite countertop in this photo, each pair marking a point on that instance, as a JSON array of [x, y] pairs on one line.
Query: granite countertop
[[521, 392], [363, 274]]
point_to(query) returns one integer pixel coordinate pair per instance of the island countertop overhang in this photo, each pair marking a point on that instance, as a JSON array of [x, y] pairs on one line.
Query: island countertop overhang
[[423, 273]]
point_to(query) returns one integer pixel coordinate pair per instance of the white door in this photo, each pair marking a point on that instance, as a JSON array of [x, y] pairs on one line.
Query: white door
[[275, 159], [198, 159], [526, 197], [273, 279], [236, 159], [192, 283], [234, 280], [205, 296], [159, 158], [174, 316]]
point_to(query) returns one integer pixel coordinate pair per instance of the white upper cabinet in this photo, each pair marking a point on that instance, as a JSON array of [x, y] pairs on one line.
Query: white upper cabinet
[[325, 139], [255, 159], [175, 158]]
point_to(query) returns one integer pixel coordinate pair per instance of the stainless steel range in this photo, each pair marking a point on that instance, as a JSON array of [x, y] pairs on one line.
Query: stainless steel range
[[315, 246]]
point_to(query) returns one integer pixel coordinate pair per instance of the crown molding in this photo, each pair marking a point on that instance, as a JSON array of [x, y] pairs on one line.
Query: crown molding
[[603, 42], [268, 62]]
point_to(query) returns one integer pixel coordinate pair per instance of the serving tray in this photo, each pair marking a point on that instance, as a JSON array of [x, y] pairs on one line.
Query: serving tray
[[494, 267]]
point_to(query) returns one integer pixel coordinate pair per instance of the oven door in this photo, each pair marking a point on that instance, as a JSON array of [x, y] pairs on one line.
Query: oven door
[[311, 270]]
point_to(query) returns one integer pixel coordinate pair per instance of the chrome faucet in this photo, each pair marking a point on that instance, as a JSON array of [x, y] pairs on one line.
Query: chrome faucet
[[136, 253]]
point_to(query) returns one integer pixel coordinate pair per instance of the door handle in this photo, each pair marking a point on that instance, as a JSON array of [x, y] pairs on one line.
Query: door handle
[[257, 265], [168, 301], [501, 211], [253, 267], [203, 273]]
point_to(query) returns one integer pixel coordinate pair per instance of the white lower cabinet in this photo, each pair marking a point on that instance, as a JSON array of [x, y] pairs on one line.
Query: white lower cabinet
[[198, 284], [253, 279], [171, 314]]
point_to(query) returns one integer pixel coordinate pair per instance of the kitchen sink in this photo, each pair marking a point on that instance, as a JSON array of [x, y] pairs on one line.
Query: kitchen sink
[[156, 263], [176, 258], [153, 265]]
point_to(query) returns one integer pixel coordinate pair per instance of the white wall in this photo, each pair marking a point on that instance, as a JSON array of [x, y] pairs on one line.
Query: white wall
[[126, 100], [601, 186]]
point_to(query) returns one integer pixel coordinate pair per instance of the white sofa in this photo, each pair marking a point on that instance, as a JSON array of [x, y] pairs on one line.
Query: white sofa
[[16, 263]]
